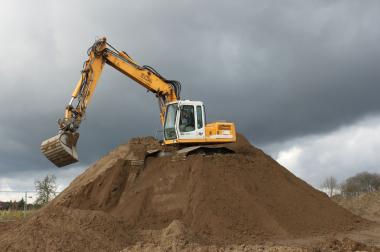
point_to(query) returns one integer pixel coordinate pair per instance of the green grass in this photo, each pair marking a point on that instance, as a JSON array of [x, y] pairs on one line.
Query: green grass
[[6, 215]]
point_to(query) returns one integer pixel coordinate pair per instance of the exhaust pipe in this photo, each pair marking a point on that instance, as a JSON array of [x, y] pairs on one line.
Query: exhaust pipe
[[61, 149]]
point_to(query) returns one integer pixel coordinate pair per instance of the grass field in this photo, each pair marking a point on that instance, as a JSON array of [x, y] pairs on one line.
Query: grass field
[[6, 215]]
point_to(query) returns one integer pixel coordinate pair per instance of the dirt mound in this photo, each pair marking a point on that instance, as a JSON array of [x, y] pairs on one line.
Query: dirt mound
[[344, 245], [366, 205], [207, 199], [329, 245]]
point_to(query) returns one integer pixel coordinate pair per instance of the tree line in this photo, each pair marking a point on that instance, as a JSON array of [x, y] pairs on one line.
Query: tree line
[[14, 205], [363, 182], [46, 189]]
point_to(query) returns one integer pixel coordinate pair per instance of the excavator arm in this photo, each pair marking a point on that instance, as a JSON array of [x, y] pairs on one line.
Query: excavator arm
[[61, 149], [99, 54]]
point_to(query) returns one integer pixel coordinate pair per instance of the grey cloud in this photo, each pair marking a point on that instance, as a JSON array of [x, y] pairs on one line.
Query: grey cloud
[[279, 70], [342, 153]]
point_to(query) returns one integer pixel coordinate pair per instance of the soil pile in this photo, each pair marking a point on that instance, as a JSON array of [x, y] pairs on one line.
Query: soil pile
[[366, 205], [344, 245], [208, 199], [329, 245]]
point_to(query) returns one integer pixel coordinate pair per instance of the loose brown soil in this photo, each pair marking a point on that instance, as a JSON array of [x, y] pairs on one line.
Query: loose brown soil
[[366, 205], [208, 199]]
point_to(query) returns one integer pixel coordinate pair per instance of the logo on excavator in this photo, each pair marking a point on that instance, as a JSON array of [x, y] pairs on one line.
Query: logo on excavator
[[146, 77]]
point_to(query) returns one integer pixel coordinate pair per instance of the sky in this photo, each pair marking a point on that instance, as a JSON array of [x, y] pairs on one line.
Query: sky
[[301, 79]]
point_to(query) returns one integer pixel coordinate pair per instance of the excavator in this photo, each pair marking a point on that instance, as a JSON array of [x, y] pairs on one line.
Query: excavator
[[183, 121]]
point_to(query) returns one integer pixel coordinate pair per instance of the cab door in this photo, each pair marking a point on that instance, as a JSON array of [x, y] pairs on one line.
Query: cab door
[[186, 122]]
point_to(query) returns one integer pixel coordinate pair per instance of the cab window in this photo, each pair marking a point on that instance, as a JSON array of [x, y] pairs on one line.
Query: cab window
[[199, 117], [169, 126], [187, 121]]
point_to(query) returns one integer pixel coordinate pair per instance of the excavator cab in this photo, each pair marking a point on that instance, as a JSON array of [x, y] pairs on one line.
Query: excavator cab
[[184, 121]]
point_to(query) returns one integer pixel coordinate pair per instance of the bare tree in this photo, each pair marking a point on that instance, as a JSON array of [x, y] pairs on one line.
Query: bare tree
[[330, 184], [46, 189], [361, 183]]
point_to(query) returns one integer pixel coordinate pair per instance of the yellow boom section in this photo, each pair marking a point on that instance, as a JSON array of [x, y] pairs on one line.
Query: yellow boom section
[[145, 77]]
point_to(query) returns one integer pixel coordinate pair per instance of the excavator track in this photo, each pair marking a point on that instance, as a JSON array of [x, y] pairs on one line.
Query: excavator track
[[181, 154]]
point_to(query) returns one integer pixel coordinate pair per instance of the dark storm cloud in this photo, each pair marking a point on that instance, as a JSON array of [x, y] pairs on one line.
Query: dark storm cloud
[[278, 69]]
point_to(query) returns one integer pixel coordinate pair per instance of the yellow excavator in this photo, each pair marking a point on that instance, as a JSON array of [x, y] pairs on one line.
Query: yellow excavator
[[183, 121]]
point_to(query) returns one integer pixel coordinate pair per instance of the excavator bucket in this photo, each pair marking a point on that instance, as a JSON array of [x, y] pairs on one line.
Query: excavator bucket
[[61, 149]]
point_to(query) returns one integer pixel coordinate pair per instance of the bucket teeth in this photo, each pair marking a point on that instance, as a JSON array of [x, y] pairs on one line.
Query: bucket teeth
[[61, 149]]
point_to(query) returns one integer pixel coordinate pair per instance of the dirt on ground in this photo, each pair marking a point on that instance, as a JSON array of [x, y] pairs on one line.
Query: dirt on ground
[[329, 245], [366, 205], [241, 201]]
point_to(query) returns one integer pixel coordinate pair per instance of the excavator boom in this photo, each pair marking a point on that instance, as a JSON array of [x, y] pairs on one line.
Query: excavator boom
[[61, 149]]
